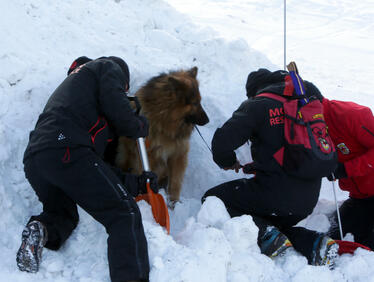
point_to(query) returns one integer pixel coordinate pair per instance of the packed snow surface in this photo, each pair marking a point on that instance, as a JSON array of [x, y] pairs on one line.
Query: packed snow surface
[[331, 41]]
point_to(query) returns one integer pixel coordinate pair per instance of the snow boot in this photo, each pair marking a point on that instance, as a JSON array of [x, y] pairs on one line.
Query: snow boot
[[29, 255], [274, 243], [325, 252]]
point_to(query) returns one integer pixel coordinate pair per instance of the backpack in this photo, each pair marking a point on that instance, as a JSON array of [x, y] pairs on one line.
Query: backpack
[[308, 150]]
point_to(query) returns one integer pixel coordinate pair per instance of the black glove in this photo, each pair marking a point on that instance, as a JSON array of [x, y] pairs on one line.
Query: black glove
[[236, 166], [142, 182], [249, 168], [338, 173], [144, 126]]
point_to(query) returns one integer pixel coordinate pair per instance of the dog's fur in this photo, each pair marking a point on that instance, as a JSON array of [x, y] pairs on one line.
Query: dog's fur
[[171, 103]]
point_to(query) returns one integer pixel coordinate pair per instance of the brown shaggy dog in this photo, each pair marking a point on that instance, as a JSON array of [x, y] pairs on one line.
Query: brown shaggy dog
[[171, 102]]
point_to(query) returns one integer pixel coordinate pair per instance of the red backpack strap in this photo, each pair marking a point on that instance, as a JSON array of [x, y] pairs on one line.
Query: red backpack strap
[[288, 86], [273, 96]]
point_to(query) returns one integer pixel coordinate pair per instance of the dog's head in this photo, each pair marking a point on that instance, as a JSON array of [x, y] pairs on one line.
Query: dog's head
[[185, 87]]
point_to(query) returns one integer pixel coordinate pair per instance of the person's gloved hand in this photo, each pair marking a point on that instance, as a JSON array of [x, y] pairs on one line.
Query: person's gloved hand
[[142, 182], [144, 126], [249, 168], [236, 166], [338, 173]]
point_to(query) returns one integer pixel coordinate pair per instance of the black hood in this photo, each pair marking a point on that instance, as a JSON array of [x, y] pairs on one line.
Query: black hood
[[124, 67], [263, 80], [312, 90], [83, 59]]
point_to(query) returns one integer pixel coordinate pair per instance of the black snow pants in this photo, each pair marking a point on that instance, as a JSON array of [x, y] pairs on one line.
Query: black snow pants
[[245, 196], [63, 178], [357, 217]]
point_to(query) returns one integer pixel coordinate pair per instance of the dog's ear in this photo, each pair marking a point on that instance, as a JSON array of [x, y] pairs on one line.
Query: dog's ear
[[193, 72]]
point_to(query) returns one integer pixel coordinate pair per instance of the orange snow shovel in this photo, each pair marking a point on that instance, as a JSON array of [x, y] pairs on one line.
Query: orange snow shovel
[[157, 202]]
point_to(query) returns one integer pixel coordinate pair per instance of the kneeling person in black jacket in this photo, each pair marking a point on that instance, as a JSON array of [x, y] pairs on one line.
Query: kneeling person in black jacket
[[64, 164], [276, 201]]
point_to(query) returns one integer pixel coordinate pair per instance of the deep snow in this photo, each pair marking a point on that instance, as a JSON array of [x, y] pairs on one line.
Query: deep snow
[[330, 40]]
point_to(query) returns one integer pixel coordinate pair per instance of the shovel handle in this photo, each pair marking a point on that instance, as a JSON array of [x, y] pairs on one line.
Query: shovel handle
[[159, 208], [144, 159], [143, 154]]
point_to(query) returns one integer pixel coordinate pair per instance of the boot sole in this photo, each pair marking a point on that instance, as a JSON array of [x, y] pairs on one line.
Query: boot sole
[[331, 255], [281, 251], [30, 252]]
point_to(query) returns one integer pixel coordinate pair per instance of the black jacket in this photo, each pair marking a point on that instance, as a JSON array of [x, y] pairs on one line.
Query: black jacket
[[89, 108], [260, 120]]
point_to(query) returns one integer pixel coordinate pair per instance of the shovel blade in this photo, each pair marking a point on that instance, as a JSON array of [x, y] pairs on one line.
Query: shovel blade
[[159, 209]]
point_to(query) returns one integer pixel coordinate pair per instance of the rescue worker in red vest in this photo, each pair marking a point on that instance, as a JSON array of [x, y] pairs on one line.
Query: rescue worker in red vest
[[276, 200], [351, 127]]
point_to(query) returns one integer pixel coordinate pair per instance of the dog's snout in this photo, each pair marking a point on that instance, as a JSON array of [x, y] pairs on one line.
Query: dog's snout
[[204, 119]]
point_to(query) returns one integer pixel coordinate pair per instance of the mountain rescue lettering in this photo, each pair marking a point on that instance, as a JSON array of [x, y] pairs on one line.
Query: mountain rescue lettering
[[276, 116]]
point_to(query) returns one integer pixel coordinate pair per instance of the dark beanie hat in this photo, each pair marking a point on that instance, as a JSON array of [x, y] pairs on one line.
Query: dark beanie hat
[[124, 68], [78, 62], [312, 90], [262, 78]]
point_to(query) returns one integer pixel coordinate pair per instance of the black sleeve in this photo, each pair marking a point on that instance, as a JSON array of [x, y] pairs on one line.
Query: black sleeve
[[114, 103], [234, 133]]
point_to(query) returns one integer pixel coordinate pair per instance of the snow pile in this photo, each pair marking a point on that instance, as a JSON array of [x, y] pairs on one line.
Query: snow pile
[[40, 38]]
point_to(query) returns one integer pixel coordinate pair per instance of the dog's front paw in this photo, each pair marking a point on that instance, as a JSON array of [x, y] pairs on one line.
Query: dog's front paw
[[172, 203]]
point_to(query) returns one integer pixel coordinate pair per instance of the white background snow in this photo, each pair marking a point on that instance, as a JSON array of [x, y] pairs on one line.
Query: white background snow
[[332, 42]]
